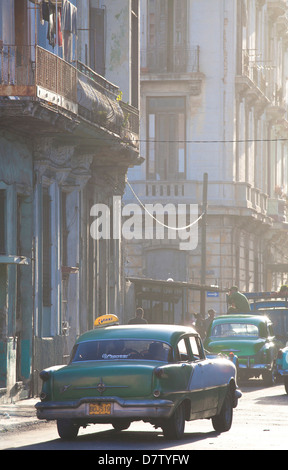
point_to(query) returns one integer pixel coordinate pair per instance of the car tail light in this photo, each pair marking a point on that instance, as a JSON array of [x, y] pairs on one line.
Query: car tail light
[[44, 375], [158, 372]]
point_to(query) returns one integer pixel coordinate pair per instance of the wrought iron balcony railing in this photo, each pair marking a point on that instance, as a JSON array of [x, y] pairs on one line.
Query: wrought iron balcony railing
[[29, 71], [171, 60]]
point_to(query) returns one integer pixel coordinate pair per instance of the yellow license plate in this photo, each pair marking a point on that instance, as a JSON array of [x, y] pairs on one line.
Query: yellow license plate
[[99, 408]]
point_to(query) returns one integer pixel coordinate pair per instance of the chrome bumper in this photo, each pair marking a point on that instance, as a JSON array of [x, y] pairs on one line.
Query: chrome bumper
[[134, 409], [255, 366]]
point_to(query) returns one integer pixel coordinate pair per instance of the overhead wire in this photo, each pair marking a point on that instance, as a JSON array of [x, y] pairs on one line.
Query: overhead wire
[[159, 221]]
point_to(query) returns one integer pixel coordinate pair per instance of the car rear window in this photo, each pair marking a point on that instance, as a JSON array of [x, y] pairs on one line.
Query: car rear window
[[113, 350], [235, 329]]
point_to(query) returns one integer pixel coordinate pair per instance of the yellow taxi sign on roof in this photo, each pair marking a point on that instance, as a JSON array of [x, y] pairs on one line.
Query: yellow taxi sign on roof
[[106, 320]]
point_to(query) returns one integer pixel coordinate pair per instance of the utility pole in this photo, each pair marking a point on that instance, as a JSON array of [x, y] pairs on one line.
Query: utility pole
[[203, 245]]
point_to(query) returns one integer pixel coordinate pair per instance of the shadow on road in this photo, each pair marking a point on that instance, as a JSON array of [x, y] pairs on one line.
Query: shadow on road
[[126, 440], [253, 385]]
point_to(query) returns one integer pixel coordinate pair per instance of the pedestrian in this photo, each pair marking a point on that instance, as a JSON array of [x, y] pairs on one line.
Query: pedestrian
[[283, 290], [209, 320], [237, 301], [138, 319], [199, 325]]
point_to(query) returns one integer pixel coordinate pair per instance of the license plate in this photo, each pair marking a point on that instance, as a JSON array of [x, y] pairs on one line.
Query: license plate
[[99, 408]]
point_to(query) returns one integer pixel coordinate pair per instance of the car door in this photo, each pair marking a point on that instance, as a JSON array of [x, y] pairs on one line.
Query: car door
[[192, 366], [203, 376]]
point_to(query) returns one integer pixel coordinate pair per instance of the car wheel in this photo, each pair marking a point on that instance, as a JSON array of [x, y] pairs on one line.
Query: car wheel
[[223, 421], [173, 428], [286, 384], [67, 429], [121, 424]]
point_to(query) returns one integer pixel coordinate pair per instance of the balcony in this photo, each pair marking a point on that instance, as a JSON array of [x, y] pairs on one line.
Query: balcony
[[277, 209], [39, 87], [175, 60], [233, 198], [257, 82], [178, 63], [26, 71], [252, 80]]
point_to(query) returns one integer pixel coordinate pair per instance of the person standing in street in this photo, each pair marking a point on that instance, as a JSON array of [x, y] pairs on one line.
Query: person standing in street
[[209, 320], [138, 319]]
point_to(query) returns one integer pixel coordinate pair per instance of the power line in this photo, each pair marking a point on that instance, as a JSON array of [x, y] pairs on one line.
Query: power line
[[232, 141], [215, 141], [159, 221]]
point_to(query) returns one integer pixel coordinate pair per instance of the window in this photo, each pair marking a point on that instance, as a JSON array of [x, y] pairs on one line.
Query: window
[[2, 221], [270, 329], [128, 349], [235, 329], [97, 40], [167, 36], [46, 266], [182, 350], [195, 348], [64, 230], [166, 138]]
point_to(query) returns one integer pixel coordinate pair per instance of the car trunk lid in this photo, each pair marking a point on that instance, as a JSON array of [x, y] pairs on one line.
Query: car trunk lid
[[240, 347], [99, 379]]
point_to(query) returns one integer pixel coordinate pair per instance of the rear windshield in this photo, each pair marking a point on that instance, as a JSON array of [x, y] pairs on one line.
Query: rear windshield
[[235, 329], [113, 350]]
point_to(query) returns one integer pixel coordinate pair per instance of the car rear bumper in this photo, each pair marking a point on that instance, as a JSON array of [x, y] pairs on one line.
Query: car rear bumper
[[130, 409], [251, 365]]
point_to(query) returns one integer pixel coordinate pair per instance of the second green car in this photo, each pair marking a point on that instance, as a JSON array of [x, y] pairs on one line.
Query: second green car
[[251, 338]]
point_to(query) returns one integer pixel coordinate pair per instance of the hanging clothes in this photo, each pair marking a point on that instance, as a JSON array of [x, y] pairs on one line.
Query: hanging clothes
[[51, 24], [69, 28], [60, 36], [44, 10], [69, 17]]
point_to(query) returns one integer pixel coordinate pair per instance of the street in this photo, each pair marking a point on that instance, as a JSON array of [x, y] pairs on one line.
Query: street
[[260, 423]]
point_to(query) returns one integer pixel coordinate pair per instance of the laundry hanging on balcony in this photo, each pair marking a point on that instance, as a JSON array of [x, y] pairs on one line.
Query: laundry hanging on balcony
[[61, 27], [48, 13], [68, 27]]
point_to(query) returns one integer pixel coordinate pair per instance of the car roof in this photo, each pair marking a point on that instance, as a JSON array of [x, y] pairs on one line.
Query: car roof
[[241, 318], [167, 333]]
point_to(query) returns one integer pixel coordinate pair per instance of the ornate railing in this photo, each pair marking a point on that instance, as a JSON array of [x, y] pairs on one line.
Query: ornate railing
[[175, 60], [35, 72]]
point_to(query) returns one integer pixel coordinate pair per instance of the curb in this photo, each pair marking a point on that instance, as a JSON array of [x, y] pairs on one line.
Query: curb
[[18, 416], [19, 426]]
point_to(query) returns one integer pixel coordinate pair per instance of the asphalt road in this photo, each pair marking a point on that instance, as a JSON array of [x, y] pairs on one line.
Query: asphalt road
[[260, 423]]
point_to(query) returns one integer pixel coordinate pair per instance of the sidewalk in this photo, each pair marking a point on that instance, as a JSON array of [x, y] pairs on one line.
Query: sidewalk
[[18, 415]]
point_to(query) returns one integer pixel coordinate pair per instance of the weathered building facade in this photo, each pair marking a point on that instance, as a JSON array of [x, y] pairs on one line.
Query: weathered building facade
[[214, 100], [67, 138]]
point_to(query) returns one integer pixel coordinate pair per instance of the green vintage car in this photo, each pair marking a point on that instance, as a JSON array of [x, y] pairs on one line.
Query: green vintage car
[[251, 338], [155, 373], [282, 366]]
